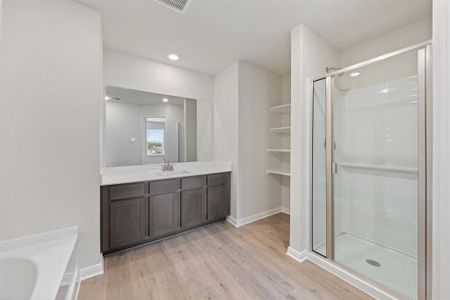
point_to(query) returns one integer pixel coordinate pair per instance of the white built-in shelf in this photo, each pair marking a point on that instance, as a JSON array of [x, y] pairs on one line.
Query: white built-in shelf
[[278, 150], [378, 167], [280, 129], [278, 172], [283, 108]]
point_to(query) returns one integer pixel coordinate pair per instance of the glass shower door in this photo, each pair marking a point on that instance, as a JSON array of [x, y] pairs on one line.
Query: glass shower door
[[375, 171], [319, 176]]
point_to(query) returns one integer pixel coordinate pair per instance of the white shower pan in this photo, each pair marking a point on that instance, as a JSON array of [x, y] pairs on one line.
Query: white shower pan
[[382, 264]]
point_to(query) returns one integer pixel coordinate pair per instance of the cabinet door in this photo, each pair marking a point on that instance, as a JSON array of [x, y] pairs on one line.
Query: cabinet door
[[193, 208], [218, 202], [164, 214], [127, 221]]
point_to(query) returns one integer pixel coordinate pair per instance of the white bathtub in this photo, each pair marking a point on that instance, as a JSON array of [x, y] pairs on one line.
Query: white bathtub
[[41, 267]]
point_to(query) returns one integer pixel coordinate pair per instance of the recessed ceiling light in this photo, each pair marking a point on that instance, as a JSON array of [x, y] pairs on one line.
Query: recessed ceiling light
[[107, 98], [174, 57], [165, 100], [354, 74]]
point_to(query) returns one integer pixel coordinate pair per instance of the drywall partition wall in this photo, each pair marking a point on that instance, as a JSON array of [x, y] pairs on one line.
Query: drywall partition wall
[[259, 89], [128, 71], [440, 273], [242, 120], [397, 39], [310, 54], [125, 136], [226, 126], [50, 118], [2, 209]]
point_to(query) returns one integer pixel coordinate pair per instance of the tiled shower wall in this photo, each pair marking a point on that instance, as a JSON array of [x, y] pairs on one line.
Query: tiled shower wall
[[377, 126]]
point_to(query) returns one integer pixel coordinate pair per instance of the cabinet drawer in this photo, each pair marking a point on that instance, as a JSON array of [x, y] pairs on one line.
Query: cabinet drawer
[[164, 186], [223, 178], [124, 191], [193, 182]]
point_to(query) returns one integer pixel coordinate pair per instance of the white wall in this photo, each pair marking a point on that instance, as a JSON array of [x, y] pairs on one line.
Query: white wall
[[397, 39], [124, 121], [50, 118], [243, 96], [128, 71], [2, 206], [441, 149], [259, 89], [226, 125], [310, 54]]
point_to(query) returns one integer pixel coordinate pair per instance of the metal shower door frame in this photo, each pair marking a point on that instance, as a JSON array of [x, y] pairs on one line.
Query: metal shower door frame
[[424, 166]]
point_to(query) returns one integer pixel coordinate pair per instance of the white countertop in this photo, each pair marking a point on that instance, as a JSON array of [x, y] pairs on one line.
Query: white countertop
[[128, 174]]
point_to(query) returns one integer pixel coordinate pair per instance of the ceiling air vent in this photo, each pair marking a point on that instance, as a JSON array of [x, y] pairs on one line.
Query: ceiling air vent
[[178, 5]]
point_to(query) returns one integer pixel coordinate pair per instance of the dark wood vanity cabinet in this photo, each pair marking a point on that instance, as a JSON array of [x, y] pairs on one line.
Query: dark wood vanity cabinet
[[193, 201], [164, 214], [136, 213], [128, 221], [164, 207], [218, 196]]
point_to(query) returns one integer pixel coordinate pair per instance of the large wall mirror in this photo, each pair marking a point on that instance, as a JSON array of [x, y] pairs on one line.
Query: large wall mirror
[[148, 128]]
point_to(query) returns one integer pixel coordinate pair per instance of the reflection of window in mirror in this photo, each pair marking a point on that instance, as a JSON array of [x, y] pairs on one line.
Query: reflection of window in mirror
[[144, 128], [155, 133]]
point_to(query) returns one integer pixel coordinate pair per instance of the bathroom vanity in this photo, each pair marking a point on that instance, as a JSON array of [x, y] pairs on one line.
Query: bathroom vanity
[[142, 199], [140, 204]]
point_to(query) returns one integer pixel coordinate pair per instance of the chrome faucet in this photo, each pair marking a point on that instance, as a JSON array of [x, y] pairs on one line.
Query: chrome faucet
[[167, 166]]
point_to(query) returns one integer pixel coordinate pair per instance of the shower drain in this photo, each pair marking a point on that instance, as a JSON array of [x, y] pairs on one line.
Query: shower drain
[[373, 263]]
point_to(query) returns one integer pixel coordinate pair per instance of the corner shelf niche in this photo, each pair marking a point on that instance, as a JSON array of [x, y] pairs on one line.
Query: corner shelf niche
[[278, 172], [278, 150], [283, 108], [281, 150], [280, 129]]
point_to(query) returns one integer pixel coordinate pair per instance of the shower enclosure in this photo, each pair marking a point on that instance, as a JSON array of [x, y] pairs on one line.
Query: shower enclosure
[[369, 170]]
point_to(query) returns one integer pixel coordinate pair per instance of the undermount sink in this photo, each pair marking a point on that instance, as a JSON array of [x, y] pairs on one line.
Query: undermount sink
[[172, 173]]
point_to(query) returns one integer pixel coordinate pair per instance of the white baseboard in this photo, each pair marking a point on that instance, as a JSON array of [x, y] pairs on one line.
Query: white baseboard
[[298, 256], [77, 290], [339, 272], [91, 271], [232, 221], [250, 219], [286, 210]]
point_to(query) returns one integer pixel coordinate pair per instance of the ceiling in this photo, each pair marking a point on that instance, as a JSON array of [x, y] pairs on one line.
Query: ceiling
[[138, 97], [214, 33]]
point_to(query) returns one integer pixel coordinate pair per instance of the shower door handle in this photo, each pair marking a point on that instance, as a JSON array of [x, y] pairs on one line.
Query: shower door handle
[[334, 167]]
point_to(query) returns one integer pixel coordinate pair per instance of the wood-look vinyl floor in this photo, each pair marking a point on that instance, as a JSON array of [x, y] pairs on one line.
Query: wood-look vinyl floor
[[217, 262]]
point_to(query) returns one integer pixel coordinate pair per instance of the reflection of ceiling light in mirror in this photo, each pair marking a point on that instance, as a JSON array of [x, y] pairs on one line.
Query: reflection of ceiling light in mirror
[[165, 100], [173, 57], [384, 91], [107, 98], [354, 74]]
